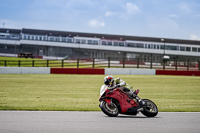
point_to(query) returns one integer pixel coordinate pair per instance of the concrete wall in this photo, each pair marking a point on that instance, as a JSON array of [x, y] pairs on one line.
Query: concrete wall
[[24, 70], [106, 71], [129, 71]]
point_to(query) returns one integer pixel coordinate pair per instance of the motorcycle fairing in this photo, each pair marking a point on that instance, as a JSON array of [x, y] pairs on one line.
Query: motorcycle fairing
[[125, 102], [108, 101]]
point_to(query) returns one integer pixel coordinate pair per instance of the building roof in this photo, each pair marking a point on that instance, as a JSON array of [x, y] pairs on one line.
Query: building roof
[[107, 36], [14, 31], [95, 35]]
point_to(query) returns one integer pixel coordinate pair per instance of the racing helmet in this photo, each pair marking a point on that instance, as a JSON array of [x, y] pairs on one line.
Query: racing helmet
[[109, 80]]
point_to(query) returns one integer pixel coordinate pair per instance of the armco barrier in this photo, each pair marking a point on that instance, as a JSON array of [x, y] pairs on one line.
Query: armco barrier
[[77, 71], [24, 70], [184, 73], [129, 71]]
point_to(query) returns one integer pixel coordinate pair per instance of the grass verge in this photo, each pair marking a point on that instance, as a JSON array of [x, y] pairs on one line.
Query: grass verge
[[81, 92]]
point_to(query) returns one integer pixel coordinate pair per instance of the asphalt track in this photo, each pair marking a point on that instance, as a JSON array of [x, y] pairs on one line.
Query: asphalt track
[[96, 122]]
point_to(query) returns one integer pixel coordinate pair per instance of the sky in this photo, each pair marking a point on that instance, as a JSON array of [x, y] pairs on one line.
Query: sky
[[176, 19]]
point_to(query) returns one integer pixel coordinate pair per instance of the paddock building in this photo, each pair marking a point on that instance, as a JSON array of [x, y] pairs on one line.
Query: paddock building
[[73, 45]]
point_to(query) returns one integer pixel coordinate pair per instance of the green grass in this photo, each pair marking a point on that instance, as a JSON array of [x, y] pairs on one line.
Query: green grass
[[81, 92]]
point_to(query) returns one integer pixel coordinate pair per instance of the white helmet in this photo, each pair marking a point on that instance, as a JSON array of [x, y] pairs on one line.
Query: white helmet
[[109, 80]]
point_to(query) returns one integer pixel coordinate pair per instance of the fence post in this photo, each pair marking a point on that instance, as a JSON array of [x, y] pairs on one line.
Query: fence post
[[124, 62], [176, 64], [188, 64], [138, 62], [93, 63], [19, 63], [5, 63], [78, 63], [33, 63], [47, 63], [108, 62], [62, 63], [151, 61], [163, 64]]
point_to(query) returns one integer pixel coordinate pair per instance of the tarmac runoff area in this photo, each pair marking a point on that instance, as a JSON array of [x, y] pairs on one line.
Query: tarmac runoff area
[[96, 122]]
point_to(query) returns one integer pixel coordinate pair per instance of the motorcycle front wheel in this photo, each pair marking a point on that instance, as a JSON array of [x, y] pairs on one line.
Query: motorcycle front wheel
[[150, 110], [110, 110]]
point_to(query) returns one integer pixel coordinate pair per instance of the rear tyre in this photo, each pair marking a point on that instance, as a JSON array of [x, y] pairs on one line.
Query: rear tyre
[[110, 110], [151, 109]]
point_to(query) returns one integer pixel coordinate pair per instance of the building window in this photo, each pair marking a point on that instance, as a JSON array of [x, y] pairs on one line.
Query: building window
[[121, 43], [89, 41], [198, 49], [110, 43], [194, 49], [32, 37], [63, 39], [139, 45], [168, 47], [40, 38], [116, 43], [36, 37], [57, 39], [78, 41], [95, 42], [105, 56], [83, 41], [131, 45], [145, 58], [161, 46], [69, 40], [2, 36], [182, 48], [51, 38], [188, 48], [103, 42], [15, 36]]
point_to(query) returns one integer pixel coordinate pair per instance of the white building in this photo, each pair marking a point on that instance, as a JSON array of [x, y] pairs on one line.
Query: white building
[[92, 45]]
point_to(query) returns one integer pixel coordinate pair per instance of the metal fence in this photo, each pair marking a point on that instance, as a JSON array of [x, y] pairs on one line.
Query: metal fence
[[107, 63]]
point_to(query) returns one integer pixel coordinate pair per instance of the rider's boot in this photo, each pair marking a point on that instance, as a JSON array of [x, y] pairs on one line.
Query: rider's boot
[[140, 101]]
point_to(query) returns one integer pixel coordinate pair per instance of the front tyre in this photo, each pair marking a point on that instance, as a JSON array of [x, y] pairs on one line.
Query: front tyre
[[150, 110], [110, 110]]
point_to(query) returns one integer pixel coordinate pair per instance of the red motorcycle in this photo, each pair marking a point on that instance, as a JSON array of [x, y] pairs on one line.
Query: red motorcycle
[[116, 101]]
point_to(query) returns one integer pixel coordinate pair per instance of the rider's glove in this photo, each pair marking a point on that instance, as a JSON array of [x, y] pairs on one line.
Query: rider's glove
[[117, 85], [114, 87]]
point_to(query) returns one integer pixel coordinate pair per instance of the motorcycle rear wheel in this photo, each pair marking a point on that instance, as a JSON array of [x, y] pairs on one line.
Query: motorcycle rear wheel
[[151, 109], [110, 110]]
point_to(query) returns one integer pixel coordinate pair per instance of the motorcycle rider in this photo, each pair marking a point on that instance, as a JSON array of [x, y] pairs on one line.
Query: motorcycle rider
[[119, 83]]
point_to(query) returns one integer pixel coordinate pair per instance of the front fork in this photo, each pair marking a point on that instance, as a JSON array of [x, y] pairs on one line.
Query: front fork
[[108, 101], [140, 102]]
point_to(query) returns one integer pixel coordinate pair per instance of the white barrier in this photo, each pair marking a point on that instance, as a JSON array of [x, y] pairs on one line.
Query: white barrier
[[10, 70], [129, 71], [47, 70], [24, 70]]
